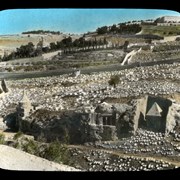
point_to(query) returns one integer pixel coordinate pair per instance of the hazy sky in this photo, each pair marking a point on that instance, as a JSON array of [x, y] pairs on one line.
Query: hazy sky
[[71, 20]]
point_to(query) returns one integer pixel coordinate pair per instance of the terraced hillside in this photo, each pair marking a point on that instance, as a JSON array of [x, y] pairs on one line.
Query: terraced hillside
[[160, 51], [161, 30]]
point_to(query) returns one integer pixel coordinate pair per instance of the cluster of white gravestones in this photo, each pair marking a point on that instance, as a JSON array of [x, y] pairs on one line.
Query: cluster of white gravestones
[[145, 142], [101, 160], [90, 89]]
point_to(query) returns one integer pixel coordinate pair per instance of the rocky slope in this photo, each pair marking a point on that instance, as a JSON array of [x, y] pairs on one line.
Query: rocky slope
[[14, 159]]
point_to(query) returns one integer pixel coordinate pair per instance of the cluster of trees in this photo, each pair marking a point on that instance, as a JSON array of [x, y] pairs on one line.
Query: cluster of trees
[[42, 32], [121, 29], [66, 44], [24, 51], [78, 44]]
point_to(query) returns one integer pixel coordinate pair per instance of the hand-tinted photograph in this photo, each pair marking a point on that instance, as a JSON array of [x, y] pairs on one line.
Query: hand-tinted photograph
[[89, 89]]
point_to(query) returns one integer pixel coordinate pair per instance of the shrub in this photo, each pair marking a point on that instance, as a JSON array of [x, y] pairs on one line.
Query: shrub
[[30, 147], [17, 145], [2, 139], [50, 68], [18, 135], [67, 84], [56, 152], [28, 68], [18, 68], [9, 69], [114, 81]]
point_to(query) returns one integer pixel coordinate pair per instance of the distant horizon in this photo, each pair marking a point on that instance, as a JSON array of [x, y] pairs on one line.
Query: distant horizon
[[73, 21]]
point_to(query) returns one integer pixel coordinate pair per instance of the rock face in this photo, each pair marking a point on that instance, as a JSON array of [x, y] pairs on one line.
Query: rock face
[[2, 124], [14, 159], [74, 127], [157, 114], [173, 117], [108, 122], [1, 91], [64, 126]]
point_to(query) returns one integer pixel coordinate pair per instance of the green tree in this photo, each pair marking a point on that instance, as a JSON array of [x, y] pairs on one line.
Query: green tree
[[126, 43], [105, 42], [113, 28], [67, 44], [39, 47], [95, 42], [52, 46], [102, 30], [82, 42]]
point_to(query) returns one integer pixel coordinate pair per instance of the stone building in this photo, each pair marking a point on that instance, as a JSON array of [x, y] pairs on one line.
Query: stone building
[[98, 127], [108, 122], [168, 21]]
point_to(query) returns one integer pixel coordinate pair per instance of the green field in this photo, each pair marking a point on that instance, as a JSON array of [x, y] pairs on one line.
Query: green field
[[161, 30]]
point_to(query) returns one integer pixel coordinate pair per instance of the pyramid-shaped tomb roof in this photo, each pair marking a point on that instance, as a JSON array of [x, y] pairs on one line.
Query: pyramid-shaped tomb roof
[[155, 110]]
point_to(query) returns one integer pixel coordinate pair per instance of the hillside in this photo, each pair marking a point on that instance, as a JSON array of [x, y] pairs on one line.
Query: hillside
[[54, 43], [9, 43], [161, 30]]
